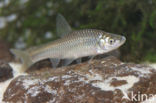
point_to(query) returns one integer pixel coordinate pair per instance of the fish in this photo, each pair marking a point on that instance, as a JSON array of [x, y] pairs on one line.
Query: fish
[[73, 44]]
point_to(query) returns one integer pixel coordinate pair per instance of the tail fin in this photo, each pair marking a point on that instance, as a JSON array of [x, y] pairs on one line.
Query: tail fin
[[24, 57]]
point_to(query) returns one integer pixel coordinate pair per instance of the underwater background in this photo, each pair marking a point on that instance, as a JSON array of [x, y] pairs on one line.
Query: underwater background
[[26, 23]]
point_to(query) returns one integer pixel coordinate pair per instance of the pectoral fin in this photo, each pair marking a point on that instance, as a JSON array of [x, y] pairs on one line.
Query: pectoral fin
[[91, 58], [62, 26]]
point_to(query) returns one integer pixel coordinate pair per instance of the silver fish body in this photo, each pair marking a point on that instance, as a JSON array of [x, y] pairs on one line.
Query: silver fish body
[[71, 45], [75, 45]]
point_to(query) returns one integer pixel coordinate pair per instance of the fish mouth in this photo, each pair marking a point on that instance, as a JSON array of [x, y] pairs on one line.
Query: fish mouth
[[123, 40]]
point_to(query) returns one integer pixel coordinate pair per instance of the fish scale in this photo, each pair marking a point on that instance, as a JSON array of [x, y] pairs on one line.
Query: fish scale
[[72, 45], [68, 47]]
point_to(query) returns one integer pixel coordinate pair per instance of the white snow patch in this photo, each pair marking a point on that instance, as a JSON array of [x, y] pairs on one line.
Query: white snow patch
[[93, 76], [34, 91], [55, 78], [67, 76], [151, 100], [67, 82], [105, 85], [141, 70], [27, 83], [153, 65], [49, 90], [3, 87]]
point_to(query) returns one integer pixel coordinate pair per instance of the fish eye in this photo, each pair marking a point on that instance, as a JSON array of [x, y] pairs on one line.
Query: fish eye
[[111, 41]]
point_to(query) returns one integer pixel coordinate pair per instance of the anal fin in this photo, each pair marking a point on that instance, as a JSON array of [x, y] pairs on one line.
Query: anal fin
[[54, 62], [79, 60], [67, 62]]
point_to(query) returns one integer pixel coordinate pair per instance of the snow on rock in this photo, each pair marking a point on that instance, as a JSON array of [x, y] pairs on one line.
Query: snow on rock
[[150, 100], [107, 80], [34, 91], [106, 84], [3, 85], [153, 65]]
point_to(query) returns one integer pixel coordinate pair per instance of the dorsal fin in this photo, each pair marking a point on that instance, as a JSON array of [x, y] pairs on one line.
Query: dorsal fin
[[62, 26]]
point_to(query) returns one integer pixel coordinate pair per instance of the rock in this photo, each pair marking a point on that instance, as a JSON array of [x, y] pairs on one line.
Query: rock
[[5, 71], [115, 53], [102, 81], [5, 54]]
